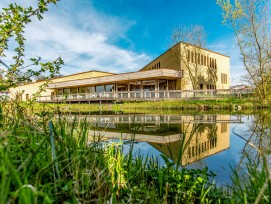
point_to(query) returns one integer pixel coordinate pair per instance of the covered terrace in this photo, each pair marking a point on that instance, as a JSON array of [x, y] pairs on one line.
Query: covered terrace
[[149, 84]]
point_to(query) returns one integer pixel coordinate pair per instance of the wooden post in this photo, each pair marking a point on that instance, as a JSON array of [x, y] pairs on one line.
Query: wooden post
[[156, 88], [141, 89], [128, 89], [167, 90], [116, 91]]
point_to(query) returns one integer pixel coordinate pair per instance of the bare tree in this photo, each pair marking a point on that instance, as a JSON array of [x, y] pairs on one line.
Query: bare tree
[[189, 44], [249, 21]]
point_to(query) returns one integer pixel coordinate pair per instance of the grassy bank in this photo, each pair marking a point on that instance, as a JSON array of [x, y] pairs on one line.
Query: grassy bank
[[222, 105]]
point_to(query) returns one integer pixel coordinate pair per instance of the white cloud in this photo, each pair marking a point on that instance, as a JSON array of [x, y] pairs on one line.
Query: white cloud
[[85, 38]]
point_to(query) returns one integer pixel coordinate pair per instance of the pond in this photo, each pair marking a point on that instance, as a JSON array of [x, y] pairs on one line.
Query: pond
[[218, 142]]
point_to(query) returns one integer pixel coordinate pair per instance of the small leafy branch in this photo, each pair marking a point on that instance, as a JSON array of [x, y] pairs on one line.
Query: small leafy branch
[[13, 21]]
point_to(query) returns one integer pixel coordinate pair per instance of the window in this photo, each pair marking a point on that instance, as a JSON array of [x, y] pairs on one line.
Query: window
[[192, 57], [109, 88], [204, 60], [198, 58], [27, 96], [215, 64], [82, 89], [201, 59], [93, 89], [59, 91], [208, 62], [88, 89], [224, 127], [212, 63], [100, 89], [224, 78], [74, 90], [188, 55], [66, 90]]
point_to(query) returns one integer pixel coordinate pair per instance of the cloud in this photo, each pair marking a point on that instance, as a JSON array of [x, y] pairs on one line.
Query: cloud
[[85, 38]]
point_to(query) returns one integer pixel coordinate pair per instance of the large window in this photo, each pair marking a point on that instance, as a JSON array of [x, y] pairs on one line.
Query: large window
[[100, 89], [66, 90], [224, 79], [82, 89], [60, 92], [74, 90], [109, 88], [88, 89]]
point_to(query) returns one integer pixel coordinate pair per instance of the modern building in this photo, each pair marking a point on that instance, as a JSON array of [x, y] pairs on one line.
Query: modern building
[[177, 73]]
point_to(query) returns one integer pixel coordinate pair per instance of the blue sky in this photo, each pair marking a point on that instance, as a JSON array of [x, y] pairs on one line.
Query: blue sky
[[122, 35]]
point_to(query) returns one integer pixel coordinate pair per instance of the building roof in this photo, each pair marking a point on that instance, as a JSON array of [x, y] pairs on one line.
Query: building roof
[[125, 77]]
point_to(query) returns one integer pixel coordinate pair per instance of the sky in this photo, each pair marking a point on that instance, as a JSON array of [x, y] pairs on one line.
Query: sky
[[122, 35]]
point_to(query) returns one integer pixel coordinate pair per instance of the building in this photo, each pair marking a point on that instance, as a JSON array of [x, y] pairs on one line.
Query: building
[[174, 74]]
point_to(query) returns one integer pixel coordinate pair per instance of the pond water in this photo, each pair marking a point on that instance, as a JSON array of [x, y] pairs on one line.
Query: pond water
[[209, 140]]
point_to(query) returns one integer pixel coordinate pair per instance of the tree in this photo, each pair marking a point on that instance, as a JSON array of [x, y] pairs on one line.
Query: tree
[[13, 21], [249, 21], [189, 44]]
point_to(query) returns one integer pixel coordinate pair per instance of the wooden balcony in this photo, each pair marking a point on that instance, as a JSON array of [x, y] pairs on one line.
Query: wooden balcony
[[144, 95]]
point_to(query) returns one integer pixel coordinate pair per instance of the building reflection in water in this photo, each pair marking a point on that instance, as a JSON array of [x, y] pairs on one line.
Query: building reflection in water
[[205, 135]]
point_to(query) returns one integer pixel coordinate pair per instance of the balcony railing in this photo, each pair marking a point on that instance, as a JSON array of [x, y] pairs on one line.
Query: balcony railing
[[146, 95]]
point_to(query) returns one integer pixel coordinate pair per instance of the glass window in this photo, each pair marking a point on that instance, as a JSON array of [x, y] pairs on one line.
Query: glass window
[[74, 90], [60, 92], [66, 90], [82, 89], [100, 89], [109, 88], [93, 89], [88, 89]]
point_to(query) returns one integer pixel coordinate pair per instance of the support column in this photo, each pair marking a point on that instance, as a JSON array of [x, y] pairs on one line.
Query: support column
[[167, 90], [141, 89], [156, 88], [116, 91], [128, 89]]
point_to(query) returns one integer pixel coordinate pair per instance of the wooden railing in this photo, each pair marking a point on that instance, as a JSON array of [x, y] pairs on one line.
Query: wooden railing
[[146, 95]]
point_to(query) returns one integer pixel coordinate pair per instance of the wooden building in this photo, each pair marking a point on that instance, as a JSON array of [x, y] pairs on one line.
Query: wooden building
[[177, 73]]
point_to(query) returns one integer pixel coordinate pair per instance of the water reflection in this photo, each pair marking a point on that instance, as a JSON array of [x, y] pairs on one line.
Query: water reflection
[[200, 135]]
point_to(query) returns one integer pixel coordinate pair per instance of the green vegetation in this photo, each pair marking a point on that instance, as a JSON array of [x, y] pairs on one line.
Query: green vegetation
[[49, 159], [245, 105]]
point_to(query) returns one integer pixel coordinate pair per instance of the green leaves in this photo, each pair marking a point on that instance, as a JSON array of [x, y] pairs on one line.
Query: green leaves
[[13, 21]]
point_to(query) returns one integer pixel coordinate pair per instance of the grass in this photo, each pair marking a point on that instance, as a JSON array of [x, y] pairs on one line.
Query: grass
[[48, 159], [229, 104]]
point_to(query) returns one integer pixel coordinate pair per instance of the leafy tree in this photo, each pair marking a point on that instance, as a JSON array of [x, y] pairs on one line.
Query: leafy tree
[[13, 21], [249, 20]]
